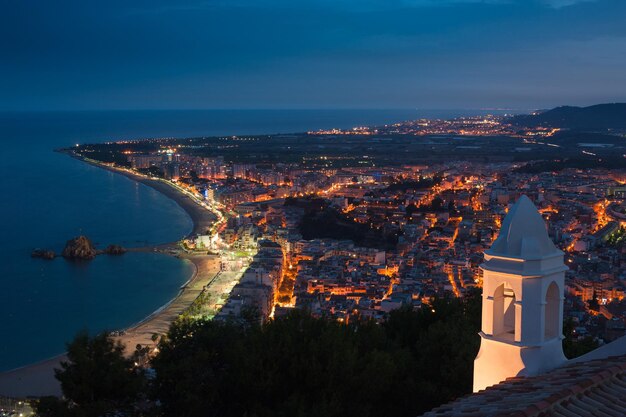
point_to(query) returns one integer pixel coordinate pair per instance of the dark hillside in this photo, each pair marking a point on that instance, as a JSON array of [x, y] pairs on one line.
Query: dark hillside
[[600, 116]]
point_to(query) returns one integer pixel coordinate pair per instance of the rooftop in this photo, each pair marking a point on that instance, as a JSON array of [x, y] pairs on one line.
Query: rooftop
[[596, 387]]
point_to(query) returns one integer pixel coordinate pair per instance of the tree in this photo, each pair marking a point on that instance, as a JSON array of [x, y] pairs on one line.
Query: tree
[[96, 380], [52, 407], [299, 365], [437, 204], [410, 209], [572, 346], [593, 303]]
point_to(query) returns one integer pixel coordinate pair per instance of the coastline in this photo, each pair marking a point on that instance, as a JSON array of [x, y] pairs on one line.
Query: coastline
[[201, 218], [206, 267], [37, 379]]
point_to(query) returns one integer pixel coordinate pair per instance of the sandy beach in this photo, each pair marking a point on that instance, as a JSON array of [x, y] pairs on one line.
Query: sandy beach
[[207, 266], [38, 379]]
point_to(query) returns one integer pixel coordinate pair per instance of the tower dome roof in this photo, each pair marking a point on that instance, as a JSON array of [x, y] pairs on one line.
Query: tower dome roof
[[523, 233]]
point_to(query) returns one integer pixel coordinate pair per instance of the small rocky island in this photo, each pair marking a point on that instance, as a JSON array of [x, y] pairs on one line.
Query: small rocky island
[[79, 248], [43, 254], [115, 250]]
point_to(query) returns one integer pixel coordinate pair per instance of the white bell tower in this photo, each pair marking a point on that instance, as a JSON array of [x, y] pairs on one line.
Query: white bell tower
[[523, 287]]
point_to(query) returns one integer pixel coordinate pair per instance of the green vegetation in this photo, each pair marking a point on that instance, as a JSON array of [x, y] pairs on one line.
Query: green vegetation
[[152, 171], [296, 365], [303, 366], [423, 183], [96, 380], [107, 156], [617, 239], [327, 222], [573, 347], [199, 306]]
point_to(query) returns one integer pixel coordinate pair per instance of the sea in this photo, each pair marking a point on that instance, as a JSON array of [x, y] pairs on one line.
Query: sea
[[48, 198]]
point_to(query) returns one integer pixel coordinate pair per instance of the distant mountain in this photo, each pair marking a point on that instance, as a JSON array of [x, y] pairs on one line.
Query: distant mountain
[[600, 116]]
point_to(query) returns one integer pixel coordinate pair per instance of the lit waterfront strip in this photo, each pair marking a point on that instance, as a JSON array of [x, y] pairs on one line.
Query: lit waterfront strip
[[225, 253]]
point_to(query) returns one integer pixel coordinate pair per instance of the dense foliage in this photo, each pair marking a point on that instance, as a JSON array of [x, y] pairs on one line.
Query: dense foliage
[[423, 183], [97, 379], [332, 224], [572, 346], [303, 366], [294, 366], [617, 239]]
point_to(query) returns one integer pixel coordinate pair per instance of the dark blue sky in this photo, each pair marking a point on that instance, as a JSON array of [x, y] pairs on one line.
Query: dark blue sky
[[429, 54]]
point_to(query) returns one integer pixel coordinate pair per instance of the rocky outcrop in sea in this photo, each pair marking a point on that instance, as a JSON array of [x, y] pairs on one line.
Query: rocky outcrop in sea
[[115, 250], [79, 248], [43, 254]]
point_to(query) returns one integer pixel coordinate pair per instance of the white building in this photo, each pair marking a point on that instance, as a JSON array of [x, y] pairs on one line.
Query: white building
[[523, 287]]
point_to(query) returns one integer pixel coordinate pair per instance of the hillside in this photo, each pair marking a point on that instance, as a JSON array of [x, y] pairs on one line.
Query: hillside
[[600, 116]]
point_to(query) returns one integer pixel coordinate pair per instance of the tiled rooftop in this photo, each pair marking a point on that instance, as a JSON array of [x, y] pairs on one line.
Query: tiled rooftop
[[593, 388]]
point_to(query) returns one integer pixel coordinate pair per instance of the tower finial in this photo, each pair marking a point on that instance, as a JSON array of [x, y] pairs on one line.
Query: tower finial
[[523, 233]]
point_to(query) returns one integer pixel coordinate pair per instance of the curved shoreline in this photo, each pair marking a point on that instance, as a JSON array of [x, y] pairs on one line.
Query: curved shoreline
[[37, 379], [201, 218], [159, 310]]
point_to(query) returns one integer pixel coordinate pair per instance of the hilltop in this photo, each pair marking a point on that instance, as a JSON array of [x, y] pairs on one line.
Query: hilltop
[[599, 116]]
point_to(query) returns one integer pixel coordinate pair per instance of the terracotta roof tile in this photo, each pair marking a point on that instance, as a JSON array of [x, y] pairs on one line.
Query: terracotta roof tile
[[593, 388]]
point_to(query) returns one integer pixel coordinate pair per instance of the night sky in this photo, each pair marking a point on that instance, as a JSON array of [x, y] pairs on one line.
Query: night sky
[[427, 54]]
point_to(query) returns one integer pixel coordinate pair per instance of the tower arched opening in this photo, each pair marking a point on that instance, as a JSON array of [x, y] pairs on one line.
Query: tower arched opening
[[552, 316], [504, 312]]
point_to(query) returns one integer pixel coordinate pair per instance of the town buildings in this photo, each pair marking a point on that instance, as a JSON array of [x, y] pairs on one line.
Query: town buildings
[[421, 229]]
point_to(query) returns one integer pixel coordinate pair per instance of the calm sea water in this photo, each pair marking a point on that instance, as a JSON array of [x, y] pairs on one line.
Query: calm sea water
[[47, 198]]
